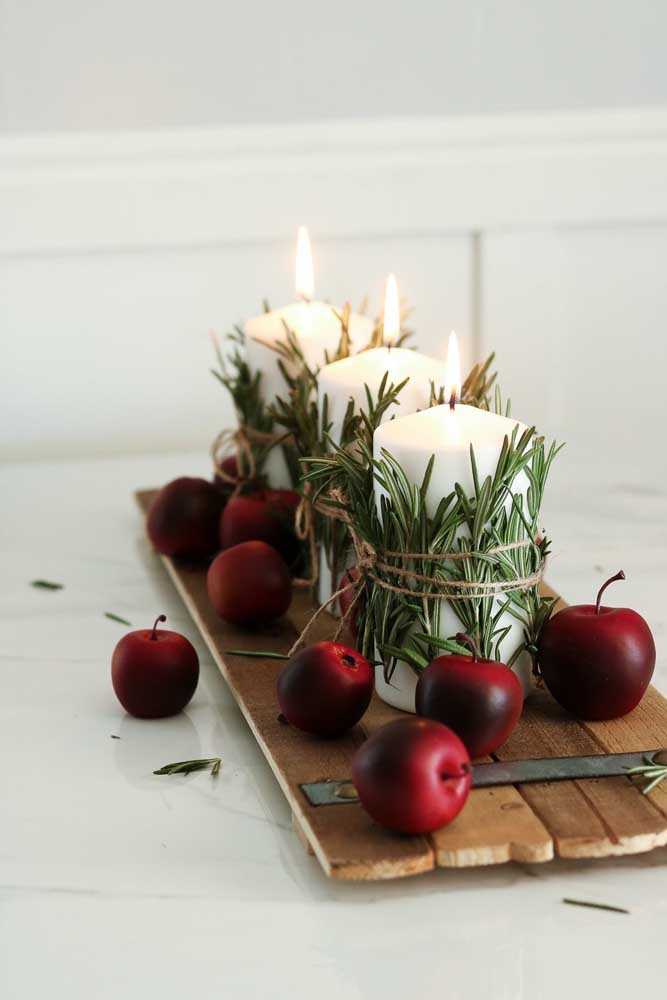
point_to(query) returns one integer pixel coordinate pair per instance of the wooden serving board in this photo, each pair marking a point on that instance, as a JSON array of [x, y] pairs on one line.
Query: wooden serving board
[[590, 818]]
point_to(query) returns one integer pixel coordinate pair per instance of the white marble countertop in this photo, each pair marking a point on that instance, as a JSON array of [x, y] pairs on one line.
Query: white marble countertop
[[118, 884]]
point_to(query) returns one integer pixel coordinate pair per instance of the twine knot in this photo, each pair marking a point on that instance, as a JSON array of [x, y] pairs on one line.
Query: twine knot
[[407, 579]]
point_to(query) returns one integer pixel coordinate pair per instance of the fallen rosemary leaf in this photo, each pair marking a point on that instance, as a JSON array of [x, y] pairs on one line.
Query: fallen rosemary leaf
[[187, 766], [649, 772], [116, 618], [596, 906], [259, 653], [47, 585], [114, 737]]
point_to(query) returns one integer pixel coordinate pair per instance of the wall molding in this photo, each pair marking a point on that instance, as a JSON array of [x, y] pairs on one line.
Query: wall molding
[[120, 192]]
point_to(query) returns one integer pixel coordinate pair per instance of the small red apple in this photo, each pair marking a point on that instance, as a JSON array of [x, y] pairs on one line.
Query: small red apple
[[596, 661], [265, 516], [481, 700], [249, 584], [412, 775], [154, 673], [183, 518], [325, 688]]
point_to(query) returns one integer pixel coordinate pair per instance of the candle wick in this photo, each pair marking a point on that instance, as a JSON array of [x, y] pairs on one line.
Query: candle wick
[[452, 399]]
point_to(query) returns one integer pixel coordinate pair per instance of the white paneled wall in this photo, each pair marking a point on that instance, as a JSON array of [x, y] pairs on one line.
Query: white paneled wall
[[578, 320], [110, 352], [542, 238]]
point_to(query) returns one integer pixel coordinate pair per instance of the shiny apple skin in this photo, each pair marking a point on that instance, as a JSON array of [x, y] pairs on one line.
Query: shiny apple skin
[[481, 700], [265, 516], [154, 677], [249, 584], [596, 666], [325, 688], [412, 775], [183, 518]]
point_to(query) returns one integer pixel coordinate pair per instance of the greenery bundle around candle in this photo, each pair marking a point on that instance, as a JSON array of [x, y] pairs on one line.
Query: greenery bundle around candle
[[481, 554]]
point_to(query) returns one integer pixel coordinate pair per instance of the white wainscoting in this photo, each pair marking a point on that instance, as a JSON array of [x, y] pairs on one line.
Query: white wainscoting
[[537, 237], [579, 320]]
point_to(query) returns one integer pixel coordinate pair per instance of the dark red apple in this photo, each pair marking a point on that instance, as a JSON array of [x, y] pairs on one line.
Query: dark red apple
[[154, 673], [350, 599], [183, 518], [265, 516], [249, 584], [325, 688], [481, 700], [597, 661], [412, 775]]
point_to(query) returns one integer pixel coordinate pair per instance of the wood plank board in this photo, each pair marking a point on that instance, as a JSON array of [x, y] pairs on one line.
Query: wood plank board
[[528, 823]]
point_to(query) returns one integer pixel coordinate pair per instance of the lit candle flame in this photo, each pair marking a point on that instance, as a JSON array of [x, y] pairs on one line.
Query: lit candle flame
[[391, 326], [453, 372], [304, 277]]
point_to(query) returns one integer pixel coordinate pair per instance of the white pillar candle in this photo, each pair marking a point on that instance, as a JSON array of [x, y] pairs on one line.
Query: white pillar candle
[[447, 434], [346, 380], [317, 328]]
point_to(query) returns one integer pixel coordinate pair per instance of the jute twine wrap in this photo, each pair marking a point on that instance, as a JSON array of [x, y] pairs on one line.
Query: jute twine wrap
[[240, 443], [370, 563]]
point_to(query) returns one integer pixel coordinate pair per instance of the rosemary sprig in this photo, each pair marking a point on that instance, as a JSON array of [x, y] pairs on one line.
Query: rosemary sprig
[[595, 906], [188, 766], [245, 389], [404, 627], [298, 413], [116, 618], [649, 772], [46, 585]]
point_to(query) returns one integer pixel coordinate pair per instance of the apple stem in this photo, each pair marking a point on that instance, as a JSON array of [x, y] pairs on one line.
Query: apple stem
[[465, 640], [618, 576], [160, 618]]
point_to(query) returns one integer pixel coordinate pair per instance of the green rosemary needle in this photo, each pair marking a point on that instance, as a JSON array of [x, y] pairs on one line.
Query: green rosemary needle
[[596, 906], [649, 772], [188, 766], [116, 618]]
